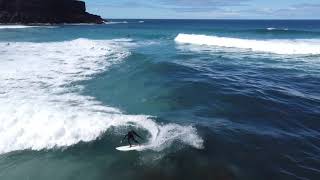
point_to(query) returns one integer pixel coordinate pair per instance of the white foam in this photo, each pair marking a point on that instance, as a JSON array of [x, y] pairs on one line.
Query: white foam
[[16, 26], [277, 46], [41, 106], [271, 28], [24, 27], [116, 22]]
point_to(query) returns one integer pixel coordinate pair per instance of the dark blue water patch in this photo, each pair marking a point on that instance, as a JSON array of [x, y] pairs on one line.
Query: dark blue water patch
[[133, 86]]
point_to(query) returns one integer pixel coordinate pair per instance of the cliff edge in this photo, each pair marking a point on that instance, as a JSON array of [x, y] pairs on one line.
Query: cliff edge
[[45, 11]]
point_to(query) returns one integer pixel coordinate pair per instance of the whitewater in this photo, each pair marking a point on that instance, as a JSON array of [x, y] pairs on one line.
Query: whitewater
[[276, 46], [41, 102]]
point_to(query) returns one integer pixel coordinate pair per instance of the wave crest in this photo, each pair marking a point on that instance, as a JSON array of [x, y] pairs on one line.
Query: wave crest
[[300, 47]]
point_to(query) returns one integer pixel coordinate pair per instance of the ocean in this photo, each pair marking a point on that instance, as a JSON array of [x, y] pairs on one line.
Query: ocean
[[212, 99]]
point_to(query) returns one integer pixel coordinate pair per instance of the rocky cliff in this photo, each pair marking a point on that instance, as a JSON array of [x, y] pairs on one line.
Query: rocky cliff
[[45, 11]]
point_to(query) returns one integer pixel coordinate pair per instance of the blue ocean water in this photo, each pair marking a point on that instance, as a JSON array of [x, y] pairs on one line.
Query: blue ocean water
[[213, 99]]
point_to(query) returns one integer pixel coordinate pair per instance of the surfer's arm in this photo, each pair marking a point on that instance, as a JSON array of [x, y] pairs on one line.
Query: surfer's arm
[[138, 135], [124, 137]]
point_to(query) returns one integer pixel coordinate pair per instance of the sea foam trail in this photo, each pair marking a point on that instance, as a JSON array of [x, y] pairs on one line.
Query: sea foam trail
[[18, 26], [276, 46], [41, 106]]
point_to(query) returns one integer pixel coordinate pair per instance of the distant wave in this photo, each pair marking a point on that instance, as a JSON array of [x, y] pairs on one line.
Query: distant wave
[[277, 46], [116, 22], [40, 103], [122, 22], [271, 28], [282, 31], [279, 29], [16, 26], [24, 27]]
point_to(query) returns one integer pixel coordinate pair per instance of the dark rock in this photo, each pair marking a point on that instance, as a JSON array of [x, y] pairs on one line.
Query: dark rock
[[45, 11]]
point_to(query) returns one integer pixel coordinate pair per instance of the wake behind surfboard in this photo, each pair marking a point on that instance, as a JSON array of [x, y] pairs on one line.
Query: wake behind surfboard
[[132, 148]]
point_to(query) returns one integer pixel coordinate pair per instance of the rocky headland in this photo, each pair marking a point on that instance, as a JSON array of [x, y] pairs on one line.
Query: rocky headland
[[45, 12]]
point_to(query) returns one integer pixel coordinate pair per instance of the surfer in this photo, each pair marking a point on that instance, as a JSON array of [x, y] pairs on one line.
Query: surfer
[[130, 137]]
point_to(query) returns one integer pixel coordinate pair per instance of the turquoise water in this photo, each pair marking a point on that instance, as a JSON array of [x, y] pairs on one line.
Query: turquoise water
[[213, 99]]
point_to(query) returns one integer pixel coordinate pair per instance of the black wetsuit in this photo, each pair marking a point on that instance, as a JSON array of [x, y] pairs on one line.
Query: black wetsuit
[[130, 137]]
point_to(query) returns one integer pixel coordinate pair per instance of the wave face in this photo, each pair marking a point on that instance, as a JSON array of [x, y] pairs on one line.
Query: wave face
[[295, 47], [41, 104]]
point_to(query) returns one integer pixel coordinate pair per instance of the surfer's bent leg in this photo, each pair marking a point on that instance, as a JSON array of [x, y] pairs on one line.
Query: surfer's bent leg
[[129, 142]]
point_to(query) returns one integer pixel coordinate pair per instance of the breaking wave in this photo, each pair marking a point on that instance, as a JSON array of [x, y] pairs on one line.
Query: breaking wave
[[116, 22], [277, 46], [41, 106], [16, 26], [276, 29], [24, 27]]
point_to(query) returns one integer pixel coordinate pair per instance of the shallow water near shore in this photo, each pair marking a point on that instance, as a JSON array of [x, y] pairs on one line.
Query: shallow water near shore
[[213, 99]]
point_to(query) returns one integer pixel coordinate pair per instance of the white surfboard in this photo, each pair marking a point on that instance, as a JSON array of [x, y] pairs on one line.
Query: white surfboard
[[132, 148]]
